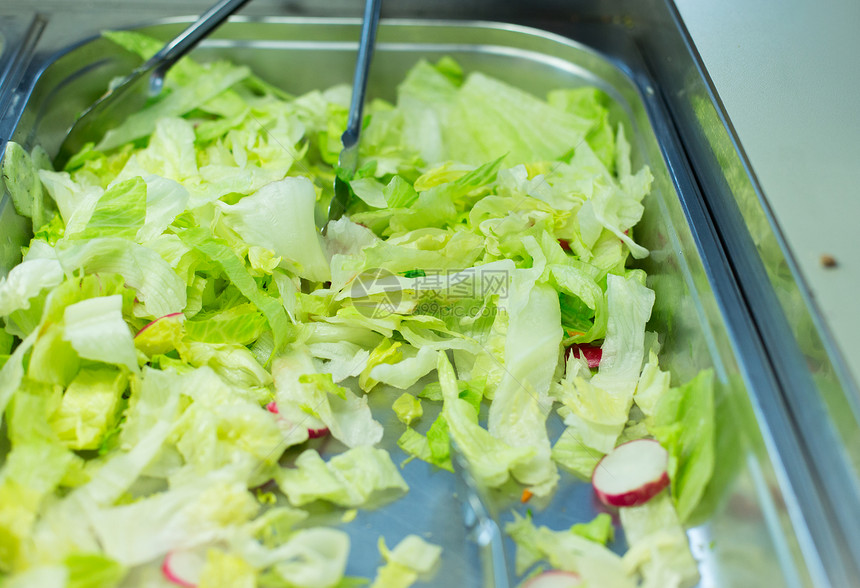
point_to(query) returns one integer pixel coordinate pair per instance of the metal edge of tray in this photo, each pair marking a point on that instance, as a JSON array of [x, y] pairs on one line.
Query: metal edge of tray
[[709, 246], [822, 399]]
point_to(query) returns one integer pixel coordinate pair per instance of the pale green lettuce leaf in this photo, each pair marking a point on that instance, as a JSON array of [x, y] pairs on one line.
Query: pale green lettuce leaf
[[12, 371], [170, 153], [652, 386], [659, 550], [521, 402], [213, 79], [158, 287], [92, 570], [407, 408], [233, 266], [311, 558], [184, 517], [119, 212], [595, 417], [89, 407], [565, 550], [165, 199], [571, 453], [307, 398], [280, 217], [405, 373], [54, 360], [234, 363], [54, 576], [599, 529], [473, 123], [224, 426], [411, 558], [21, 177], [151, 417], [241, 324], [75, 201], [683, 423], [490, 459], [31, 472], [226, 569], [596, 409], [25, 281], [97, 331], [362, 476]]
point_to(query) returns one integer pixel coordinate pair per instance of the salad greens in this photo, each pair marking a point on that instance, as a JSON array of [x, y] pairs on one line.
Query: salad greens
[[179, 328]]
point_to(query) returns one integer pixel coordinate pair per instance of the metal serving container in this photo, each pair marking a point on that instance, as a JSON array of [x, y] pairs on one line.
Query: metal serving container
[[724, 288]]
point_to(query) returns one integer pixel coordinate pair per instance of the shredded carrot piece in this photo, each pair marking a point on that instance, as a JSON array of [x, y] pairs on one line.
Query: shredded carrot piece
[[527, 494]]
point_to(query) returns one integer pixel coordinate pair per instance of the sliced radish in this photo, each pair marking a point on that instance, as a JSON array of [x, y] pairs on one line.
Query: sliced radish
[[631, 474], [317, 433], [592, 354], [554, 579], [183, 567], [272, 407]]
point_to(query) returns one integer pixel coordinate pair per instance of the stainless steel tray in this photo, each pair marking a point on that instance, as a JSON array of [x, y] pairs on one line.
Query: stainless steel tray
[[760, 523]]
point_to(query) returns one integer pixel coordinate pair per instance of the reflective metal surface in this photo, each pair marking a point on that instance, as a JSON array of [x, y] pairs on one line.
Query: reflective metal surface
[[764, 520]]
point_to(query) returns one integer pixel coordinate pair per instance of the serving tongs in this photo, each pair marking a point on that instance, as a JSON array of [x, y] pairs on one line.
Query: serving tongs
[[348, 159], [146, 81], [482, 526]]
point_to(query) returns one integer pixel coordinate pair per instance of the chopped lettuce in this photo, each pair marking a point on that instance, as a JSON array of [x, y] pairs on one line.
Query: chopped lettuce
[[683, 422], [407, 408], [180, 331], [89, 407], [599, 529], [411, 558], [568, 551], [359, 477], [659, 551]]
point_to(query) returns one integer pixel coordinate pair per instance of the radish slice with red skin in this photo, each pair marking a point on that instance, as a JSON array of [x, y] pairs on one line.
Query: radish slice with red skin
[[631, 474], [183, 567], [554, 579], [272, 407], [167, 316], [592, 354]]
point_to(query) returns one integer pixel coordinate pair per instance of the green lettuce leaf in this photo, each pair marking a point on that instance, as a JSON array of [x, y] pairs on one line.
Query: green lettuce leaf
[[89, 406], [93, 570], [309, 400], [407, 408], [362, 476], [490, 459], [565, 550], [683, 423], [21, 177], [599, 529], [658, 544], [235, 270], [280, 217], [411, 558], [96, 330], [119, 212]]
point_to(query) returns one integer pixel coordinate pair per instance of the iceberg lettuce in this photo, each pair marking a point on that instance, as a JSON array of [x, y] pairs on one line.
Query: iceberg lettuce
[[179, 323], [361, 476]]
